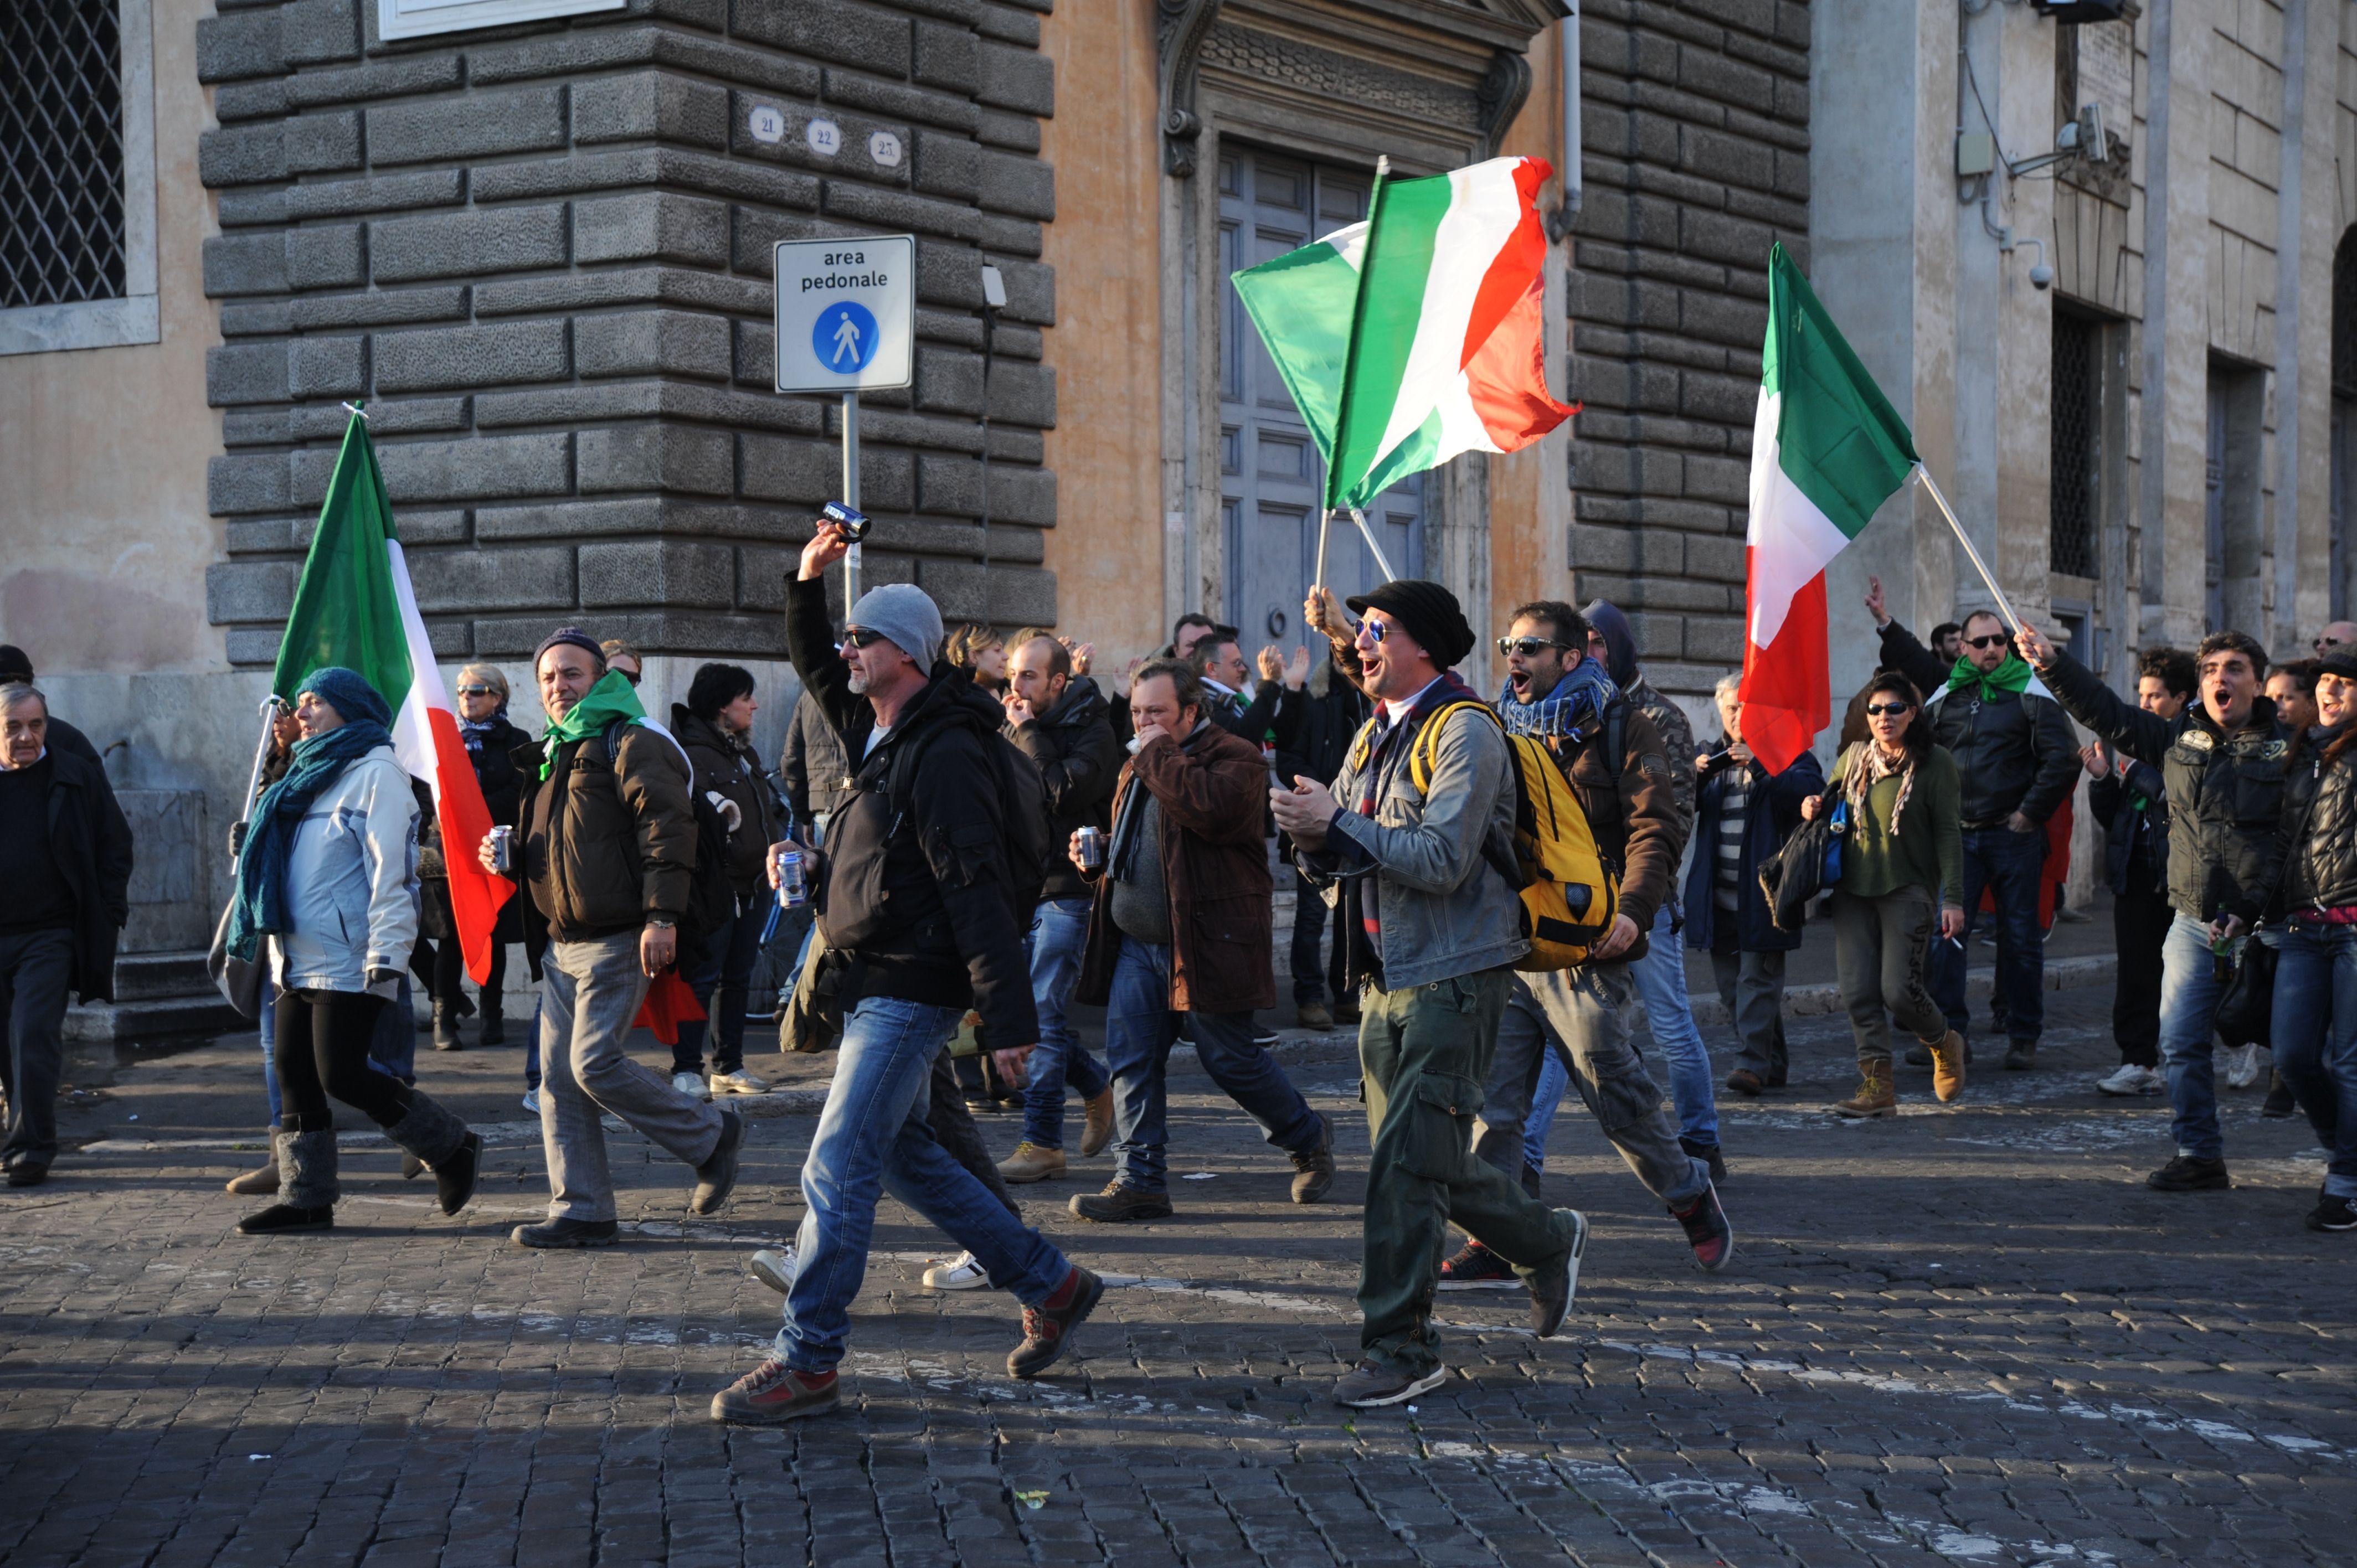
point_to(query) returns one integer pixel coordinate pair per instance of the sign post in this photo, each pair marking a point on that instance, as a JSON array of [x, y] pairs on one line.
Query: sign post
[[846, 323]]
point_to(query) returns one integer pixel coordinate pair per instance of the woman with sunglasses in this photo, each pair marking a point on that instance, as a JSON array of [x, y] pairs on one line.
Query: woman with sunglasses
[[1901, 877]]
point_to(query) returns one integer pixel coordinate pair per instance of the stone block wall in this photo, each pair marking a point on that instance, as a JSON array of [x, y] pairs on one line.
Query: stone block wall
[[542, 254], [1696, 141]]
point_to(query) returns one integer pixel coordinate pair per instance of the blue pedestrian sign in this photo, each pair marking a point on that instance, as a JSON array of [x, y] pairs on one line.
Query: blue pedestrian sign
[[846, 313]]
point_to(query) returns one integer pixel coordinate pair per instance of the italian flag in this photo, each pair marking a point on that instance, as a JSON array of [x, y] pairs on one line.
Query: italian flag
[[354, 608], [1827, 449], [1418, 334]]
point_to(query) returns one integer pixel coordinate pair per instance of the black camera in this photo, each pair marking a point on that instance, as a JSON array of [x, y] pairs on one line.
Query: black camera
[[854, 524]]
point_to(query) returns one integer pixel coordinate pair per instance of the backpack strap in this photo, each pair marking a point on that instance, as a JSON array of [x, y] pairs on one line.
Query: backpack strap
[[1426, 752]]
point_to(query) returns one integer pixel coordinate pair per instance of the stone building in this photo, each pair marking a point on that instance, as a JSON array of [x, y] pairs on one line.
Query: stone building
[[534, 236]]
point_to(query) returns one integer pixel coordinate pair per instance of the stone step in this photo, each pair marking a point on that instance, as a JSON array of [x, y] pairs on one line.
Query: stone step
[[189, 1014], [154, 976]]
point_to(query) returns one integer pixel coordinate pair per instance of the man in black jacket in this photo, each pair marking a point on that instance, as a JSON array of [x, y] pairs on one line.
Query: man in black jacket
[[2018, 762], [2129, 798], [65, 858], [1331, 710], [915, 908], [2223, 762], [1059, 720], [17, 669]]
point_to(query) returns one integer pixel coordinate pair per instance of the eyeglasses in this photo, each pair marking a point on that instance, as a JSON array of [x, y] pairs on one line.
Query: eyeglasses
[[1373, 629], [478, 690], [1528, 647], [2323, 642], [860, 636], [1877, 710], [1998, 640]]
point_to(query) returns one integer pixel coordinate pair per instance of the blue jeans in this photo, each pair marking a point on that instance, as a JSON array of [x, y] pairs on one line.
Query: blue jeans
[[719, 983], [1545, 1100], [1139, 1029], [873, 1137], [531, 1051], [2011, 865], [2190, 993], [270, 1043], [1661, 977], [1058, 931], [393, 1050], [2315, 1028]]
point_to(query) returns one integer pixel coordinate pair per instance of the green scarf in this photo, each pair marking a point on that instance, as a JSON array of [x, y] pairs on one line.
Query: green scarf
[[2013, 675], [611, 698]]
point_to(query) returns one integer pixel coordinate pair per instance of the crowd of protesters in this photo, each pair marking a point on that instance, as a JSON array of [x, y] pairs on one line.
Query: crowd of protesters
[[998, 834]]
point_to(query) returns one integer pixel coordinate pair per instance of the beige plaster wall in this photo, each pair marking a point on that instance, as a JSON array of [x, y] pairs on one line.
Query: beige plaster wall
[[102, 451]]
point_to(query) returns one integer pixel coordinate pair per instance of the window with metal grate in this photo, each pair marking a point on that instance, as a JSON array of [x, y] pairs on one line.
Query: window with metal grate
[[2075, 399], [61, 153]]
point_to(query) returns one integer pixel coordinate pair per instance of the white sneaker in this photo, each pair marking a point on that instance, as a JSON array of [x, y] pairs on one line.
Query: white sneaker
[[739, 1082], [774, 1268], [691, 1084], [2131, 1080], [962, 1272], [2242, 1066], [532, 1100]]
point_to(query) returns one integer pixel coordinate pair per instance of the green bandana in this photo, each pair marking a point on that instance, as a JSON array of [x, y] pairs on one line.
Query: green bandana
[[611, 698], [2013, 675]]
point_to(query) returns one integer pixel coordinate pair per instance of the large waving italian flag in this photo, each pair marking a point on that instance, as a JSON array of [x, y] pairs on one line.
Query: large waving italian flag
[[1827, 449], [1418, 334], [354, 608]]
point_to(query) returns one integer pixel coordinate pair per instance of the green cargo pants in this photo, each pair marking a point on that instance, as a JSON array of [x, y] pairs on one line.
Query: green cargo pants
[[1424, 1054]]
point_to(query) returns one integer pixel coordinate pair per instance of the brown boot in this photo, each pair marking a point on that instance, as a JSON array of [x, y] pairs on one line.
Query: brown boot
[[1948, 1066], [262, 1183], [1875, 1095], [1030, 1162], [1098, 1131]]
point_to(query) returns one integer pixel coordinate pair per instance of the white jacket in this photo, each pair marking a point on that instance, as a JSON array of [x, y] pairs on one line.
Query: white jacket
[[351, 881]]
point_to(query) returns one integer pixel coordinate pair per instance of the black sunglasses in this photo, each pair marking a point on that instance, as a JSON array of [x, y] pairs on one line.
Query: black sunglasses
[[1998, 640], [860, 636], [2323, 642], [478, 691], [1876, 710], [1528, 647]]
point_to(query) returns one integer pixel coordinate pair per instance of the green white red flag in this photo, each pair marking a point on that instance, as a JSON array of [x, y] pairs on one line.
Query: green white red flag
[[1827, 449], [354, 607], [1418, 334]]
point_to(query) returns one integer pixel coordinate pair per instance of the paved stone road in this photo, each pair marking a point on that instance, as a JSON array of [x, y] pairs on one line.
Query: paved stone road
[[1965, 1335]]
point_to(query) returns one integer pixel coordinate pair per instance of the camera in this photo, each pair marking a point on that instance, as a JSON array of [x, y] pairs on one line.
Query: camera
[[854, 524], [2041, 277]]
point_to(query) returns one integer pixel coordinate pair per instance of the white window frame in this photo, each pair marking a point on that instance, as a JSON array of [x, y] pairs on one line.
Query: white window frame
[[397, 19], [135, 317]]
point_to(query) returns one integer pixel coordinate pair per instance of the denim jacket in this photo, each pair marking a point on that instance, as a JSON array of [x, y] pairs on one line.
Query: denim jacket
[[351, 881], [1444, 909]]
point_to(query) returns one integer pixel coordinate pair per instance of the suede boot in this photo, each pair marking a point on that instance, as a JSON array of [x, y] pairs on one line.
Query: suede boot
[[261, 1183], [433, 1135], [306, 1185]]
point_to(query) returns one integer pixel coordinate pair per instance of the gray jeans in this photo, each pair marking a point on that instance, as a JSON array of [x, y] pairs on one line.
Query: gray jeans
[[1880, 948], [589, 994], [1582, 1015], [1751, 986]]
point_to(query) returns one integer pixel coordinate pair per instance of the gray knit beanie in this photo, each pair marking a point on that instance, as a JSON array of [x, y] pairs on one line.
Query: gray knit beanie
[[905, 614]]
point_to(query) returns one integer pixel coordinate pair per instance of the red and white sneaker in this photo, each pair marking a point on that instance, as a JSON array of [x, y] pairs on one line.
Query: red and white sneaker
[[774, 1392]]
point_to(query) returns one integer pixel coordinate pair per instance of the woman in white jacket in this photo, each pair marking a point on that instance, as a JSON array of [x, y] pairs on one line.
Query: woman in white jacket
[[329, 877]]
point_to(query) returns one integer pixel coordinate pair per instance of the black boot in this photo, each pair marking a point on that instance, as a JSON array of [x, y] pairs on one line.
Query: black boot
[[445, 1027], [306, 1185], [441, 1141], [494, 1031]]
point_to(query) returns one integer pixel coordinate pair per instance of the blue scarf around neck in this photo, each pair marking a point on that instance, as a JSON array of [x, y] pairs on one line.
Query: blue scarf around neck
[[259, 908], [1573, 711]]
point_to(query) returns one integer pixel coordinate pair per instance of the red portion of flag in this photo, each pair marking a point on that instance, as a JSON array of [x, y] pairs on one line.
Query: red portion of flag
[[1516, 266], [1506, 381], [1787, 690], [669, 1004], [476, 895]]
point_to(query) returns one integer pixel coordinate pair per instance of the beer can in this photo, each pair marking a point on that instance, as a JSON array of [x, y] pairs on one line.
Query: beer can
[[793, 887], [854, 524], [1092, 849], [503, 848]]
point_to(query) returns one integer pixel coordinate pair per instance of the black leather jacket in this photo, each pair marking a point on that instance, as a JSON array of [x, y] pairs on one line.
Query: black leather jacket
[[2319, 824], [2014, 753], [2135, 850], [1079, 759]]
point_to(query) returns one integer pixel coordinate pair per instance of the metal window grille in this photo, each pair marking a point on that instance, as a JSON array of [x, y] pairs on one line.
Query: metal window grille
[[2075, 402], [61, 232]]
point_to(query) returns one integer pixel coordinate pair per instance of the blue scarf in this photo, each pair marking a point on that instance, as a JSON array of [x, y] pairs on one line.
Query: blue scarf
[[472, 731], [1573, 711], [259, 906]]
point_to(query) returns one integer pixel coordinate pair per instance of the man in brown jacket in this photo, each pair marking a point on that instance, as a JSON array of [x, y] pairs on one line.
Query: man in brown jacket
[[607, 848], [1180, 923]]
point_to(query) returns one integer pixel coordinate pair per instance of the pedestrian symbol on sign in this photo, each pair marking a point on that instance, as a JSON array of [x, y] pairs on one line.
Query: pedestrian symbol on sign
[[844, 338]]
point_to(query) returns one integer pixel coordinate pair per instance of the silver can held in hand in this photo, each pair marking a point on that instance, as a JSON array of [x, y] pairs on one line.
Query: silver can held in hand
[[852, 522], [793, 884], [503, 848], [1092, 849]]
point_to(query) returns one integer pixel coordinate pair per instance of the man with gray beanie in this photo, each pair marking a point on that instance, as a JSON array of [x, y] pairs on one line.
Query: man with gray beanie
[[923, 910]]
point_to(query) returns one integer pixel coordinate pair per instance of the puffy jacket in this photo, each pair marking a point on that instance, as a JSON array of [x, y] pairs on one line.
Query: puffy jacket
[[2319, 824], [607, 842], [1212, 789], [91, 844], [2225, 791], [919, 906], [730, 768], [1632, 809], [2014, 752], [1079, 761], [1771, 813], [351, 881], [815, 769], [2136, 836]]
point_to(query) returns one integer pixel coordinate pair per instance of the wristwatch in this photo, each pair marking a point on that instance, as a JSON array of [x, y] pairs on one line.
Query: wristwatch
[[665, 921]]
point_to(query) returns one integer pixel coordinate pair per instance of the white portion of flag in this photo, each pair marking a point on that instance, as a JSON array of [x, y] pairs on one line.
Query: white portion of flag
[[1792, 541], [413, 728], [1485, 208]]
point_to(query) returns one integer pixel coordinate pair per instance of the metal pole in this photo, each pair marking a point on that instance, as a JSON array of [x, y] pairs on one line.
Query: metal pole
[[261, 756], [1978, 565], [1369, 534], [851, 495], [1325, 520]]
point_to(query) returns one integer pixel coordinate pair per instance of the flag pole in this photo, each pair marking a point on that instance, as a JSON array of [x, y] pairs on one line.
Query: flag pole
[[1369, 535], [1978, 565], [1325, 520], [261, 757]]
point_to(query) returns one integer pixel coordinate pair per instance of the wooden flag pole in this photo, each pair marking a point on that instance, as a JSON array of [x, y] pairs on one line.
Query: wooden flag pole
[[1978, 565]]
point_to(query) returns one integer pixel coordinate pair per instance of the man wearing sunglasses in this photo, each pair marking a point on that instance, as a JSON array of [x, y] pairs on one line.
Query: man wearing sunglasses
[[2016, 760], [2340, 634]]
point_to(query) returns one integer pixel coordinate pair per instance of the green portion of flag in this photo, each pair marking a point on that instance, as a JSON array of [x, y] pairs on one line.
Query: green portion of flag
[[346, 610], [1838, 439], [1402, 221]]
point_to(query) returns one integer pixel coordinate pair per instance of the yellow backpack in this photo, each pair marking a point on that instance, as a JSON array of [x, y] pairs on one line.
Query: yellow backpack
[[1570, 892]]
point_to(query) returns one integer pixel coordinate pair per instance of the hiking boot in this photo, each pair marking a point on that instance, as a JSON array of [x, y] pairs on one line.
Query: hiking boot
[[1371, 1385], [1475, 1267], [1875, 1095], [1314, 1015], [1313, 1169], [1097, 1132], [739, 1082], [2332, 1213], [2280, 1102], [774, 1392], [566, 1231], [454, 1178], [1948, 1066], [2131, 1080], [1708, 1154], [1553, 1283], [1118, 1204], [445, 1029], [2187, 1174], [1031, 1161], [774, 1269], [1918, 1055], [2020, 1056], [276, 1219], [1047, 1327], [1707, 1231], [1743, 1080], [262, 1183], [963, 1271], [716, 1178]]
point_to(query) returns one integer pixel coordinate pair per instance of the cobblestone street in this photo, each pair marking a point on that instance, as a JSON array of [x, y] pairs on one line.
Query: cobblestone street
[[1966, 1335]]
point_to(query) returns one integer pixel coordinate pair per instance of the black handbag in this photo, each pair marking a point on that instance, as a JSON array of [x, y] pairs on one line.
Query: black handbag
[[1803, 867], [2249, 1000]]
